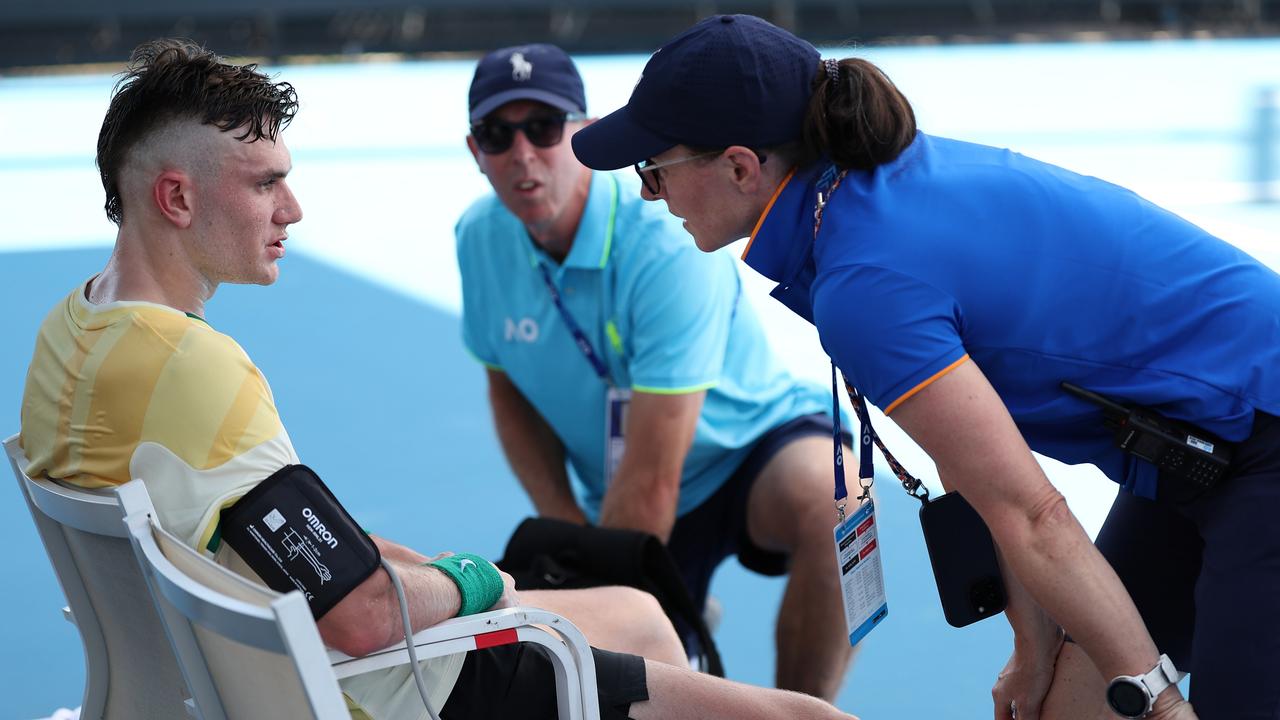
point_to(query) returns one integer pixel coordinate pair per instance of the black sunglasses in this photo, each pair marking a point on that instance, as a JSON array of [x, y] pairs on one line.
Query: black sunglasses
[[495, 136]]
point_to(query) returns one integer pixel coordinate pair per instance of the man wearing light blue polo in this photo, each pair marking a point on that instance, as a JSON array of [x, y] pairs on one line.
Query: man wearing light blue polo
[[614, 347]]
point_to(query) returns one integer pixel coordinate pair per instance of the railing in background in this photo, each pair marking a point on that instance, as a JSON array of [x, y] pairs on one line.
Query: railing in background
[[87, 31], [1266, 139]]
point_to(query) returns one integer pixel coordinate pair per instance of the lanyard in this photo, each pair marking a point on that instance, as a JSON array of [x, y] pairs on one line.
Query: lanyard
[[580, 337], [827, 185], [865, 470], [910, 483]]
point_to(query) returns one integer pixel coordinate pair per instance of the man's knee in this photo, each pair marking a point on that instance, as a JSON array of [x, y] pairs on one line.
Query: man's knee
[[631, 602], [790, 502]]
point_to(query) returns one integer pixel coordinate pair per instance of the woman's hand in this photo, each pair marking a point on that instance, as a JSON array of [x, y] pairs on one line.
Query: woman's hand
[[1021, 687], [1171, 706]]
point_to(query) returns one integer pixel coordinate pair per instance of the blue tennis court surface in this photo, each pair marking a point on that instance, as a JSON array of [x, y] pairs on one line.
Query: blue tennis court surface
[[360, 338]]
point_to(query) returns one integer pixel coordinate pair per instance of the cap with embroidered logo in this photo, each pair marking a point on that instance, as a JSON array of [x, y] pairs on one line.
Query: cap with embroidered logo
[[728, 80], [540, 72]]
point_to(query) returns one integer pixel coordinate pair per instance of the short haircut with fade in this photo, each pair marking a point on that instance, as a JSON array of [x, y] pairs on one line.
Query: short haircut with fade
[[169, 80]]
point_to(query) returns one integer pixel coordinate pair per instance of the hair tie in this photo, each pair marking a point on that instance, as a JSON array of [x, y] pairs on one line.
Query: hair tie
[[833, 69]]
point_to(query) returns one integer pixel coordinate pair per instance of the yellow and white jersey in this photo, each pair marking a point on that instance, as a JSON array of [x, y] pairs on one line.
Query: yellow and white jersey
[[137, 390], [130, 390]]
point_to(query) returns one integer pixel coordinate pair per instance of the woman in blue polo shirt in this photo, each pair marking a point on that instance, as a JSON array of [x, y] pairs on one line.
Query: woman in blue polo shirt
[[958, 287]]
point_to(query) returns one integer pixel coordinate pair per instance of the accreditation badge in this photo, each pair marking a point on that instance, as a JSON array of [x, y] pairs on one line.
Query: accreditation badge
[[861, 576], [617, 403]]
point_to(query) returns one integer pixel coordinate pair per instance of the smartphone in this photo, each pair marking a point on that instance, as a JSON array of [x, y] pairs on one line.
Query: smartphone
[[964, 560]]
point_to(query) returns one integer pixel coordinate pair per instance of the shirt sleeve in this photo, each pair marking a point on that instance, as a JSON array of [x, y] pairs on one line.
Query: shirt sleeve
[[889, 333], [681, 305], [210, 433]]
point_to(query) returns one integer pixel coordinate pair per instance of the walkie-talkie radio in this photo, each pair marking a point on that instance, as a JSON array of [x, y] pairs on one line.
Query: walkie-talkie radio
[[1177, 449]]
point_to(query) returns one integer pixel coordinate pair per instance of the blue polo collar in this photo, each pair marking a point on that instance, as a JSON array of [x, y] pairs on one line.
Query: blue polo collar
[[781, 247], [593, 242]]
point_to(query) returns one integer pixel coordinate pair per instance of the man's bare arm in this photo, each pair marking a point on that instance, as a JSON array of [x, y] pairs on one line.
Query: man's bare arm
[[646, 488], [534, 452]]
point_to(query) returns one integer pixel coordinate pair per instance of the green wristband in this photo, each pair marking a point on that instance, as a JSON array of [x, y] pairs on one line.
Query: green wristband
[[479, 582]]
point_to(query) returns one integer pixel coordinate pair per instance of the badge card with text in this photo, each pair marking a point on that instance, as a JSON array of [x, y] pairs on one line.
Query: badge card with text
[[617, 403], [861, 576]]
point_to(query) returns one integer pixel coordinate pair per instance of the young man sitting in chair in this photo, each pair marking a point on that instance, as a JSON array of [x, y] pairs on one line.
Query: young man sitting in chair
[[129, 380]]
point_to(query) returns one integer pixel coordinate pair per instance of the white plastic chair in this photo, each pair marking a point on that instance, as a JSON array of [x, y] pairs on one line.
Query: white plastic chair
[[247, 651], [130, 671]]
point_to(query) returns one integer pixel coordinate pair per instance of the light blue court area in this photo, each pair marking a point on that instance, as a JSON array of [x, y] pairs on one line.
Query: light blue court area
[[360, 337]]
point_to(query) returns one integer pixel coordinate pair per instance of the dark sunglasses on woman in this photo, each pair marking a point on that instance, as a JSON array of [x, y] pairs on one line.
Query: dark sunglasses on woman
[[495, 136]]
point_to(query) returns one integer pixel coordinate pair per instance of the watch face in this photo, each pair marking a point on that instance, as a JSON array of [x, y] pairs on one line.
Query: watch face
[[1127, 698]]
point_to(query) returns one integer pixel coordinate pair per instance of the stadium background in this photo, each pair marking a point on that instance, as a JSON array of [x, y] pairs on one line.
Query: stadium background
[[360, 337]]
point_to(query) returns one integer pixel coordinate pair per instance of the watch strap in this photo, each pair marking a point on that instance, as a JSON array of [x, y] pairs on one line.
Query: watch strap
[[1161, 676], [1153, 682]]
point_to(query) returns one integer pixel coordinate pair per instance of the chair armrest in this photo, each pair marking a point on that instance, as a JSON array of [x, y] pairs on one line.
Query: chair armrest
[[566, 645], [488, 629]]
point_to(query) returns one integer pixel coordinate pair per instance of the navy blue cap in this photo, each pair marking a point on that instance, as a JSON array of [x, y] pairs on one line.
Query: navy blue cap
[[729, 80], [526, 72]]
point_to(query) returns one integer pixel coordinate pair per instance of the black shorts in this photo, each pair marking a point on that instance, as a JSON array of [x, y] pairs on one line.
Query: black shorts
[[519, 681], [1205, 575], [717, 528]]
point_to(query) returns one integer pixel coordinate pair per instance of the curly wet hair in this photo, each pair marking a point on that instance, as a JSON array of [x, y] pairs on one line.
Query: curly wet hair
[[174, 79]]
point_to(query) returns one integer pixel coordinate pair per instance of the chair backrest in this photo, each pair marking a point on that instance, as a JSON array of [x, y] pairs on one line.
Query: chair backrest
[[245, 650], [130, 670]]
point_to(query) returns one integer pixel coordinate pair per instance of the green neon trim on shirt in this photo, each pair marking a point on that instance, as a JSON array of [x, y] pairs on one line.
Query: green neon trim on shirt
[[613, 219], [675, 391], [477, 358], [615, 338]]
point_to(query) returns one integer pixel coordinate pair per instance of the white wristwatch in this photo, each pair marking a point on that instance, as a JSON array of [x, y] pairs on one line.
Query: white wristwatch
[[1132, 696]]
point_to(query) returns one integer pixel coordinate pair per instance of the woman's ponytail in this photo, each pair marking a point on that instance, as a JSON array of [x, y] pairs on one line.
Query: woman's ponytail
[[857, 117]]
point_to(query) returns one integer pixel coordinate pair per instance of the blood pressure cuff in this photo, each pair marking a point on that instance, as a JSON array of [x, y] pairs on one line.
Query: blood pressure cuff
[[292, 532]]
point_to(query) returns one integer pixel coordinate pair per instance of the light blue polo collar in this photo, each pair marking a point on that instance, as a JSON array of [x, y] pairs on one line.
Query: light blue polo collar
[[594, 240]]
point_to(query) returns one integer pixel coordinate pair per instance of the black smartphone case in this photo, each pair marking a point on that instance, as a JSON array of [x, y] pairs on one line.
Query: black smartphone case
[[964, 560]]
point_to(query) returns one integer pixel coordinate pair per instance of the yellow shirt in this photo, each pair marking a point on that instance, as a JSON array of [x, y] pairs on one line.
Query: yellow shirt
[[138, 390]]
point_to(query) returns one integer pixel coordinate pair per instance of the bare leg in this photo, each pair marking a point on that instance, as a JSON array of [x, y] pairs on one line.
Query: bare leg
[[676, 693], [620, 619], [790, 510], [1078, 691]]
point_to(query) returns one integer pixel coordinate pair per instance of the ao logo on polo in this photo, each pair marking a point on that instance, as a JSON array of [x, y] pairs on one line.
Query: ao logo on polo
[[524, 330]]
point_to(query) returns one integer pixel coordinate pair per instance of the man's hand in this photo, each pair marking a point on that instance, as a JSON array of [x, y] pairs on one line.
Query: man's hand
[[509, 597], [646, 489]]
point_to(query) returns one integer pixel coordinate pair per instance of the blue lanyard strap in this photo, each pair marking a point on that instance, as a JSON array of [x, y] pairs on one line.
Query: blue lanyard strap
[[910, 483], [841, 491], [579, 337], [866, 464], [827, 184]]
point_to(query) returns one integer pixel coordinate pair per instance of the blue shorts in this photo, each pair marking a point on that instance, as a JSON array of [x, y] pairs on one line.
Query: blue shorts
[[1206, 577], [707, 535]]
